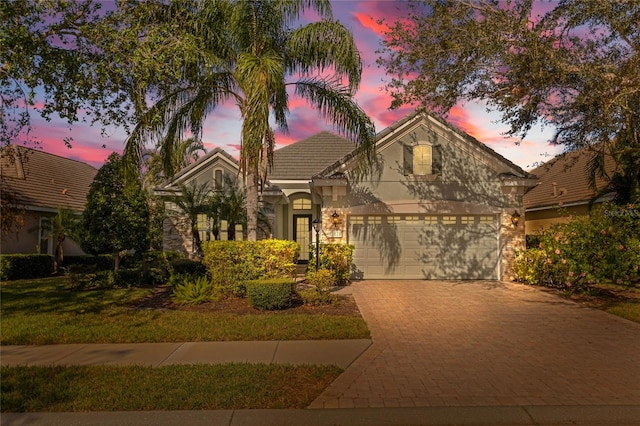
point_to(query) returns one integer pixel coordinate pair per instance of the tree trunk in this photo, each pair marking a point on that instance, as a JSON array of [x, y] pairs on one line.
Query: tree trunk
[[116, 262], [252, 205], [196, 240]]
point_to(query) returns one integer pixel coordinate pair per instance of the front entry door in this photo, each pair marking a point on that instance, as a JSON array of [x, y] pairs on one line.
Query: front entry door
[[302, 235]]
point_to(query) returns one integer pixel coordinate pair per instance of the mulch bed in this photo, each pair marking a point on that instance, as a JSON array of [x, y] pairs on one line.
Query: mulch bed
[[599, 298], [161, 299]]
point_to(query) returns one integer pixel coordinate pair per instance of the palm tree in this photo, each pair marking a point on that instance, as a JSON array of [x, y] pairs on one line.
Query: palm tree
[[251, 55], [192, 201], [158, 166]]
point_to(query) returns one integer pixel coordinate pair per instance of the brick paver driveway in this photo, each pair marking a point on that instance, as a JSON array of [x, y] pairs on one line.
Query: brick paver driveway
[[441, 343]]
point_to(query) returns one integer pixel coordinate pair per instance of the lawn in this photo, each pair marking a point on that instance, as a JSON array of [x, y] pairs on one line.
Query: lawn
[[45, 311], [622, 301], [175, 387]]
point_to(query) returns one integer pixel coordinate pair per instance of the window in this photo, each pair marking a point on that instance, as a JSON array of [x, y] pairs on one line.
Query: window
[[422, 160], [467, 220], [449, 220], [431, 220], [375, 220], [218, 178], [356, 220], [487, 220], [412, 219], [302, 204], [46, 243], [391, 220]]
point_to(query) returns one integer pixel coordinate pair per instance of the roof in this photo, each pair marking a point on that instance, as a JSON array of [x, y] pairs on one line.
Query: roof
[[46, 181], [201, 162], [306, 158], [564, 180]]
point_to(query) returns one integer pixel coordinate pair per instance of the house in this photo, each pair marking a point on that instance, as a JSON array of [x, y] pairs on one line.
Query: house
[[41, 182], [563, 190], [438, 205]]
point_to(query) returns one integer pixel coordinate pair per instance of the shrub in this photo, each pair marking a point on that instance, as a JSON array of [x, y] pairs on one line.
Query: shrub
[[601, 247], [337, 258], [20, 266], [323, 280], [194, 290], [231, 263], [277, 258], [187, 266], [320, 294], [270, 294], [531, 267]]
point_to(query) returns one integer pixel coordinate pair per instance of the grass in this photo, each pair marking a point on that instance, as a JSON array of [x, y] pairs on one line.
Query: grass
[[622, 301], [176, 387], [44, 311], [629, 310]]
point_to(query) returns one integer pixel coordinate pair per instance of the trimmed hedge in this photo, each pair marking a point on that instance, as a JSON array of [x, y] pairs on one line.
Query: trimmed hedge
[[231, 263], [20, 266], [270, 294]]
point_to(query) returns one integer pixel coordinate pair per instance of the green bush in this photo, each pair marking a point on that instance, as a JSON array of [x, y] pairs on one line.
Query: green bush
[[103, 262], [231, 263], [270, 294], [277, 258], [194, 290], [187, 266], [20, 266], [602, 247], [322, 281], [337, 258]]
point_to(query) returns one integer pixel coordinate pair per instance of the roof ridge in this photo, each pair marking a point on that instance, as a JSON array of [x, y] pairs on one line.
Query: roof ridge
[[42, 151]]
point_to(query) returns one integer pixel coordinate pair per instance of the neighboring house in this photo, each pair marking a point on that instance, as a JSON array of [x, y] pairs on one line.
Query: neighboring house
[[563, 189], [438, 206], [42, 182]]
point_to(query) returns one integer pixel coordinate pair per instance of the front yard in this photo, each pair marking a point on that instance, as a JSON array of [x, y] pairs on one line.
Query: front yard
[[44, 311]]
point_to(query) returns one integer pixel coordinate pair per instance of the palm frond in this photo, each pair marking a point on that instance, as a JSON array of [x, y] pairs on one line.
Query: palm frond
[[319, 46], [336, 105]]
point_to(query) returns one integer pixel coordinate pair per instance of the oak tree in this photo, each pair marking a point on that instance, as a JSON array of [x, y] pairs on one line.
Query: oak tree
[[570, 64]]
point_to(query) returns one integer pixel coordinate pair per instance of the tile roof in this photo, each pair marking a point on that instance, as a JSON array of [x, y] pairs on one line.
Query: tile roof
[[564, 181], [44, 180], [306, 158]]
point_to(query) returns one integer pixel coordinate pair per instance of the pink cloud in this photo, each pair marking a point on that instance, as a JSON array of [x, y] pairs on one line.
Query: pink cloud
[[369, 23]]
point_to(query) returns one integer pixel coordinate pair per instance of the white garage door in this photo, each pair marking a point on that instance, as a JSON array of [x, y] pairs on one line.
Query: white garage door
[[424, 246]]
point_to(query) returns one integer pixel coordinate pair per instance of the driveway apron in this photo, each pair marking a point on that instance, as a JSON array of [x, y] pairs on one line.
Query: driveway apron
[[466, 343]]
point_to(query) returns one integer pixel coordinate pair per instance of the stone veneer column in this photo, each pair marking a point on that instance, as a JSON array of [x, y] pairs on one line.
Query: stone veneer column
[[176, 236], [512, 239]]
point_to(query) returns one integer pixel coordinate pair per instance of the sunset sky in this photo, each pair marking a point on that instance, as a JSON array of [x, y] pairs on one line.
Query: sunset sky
[[223, 127]]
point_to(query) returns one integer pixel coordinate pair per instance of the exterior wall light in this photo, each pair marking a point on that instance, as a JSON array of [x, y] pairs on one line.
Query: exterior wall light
[[335, 218], [515, 218]]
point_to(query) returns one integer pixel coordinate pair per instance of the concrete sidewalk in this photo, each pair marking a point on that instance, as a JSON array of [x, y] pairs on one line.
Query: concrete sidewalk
[[431, 416], [324, 352]]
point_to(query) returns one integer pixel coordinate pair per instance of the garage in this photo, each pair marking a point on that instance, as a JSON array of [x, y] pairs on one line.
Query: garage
[[443, 246]]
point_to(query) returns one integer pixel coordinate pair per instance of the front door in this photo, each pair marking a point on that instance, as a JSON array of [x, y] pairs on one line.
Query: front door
[[302, 235]]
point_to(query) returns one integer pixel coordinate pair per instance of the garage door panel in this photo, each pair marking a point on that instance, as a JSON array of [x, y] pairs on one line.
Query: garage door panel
[[453, 248]]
